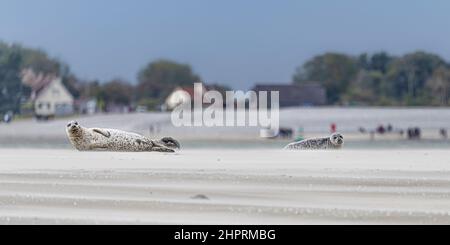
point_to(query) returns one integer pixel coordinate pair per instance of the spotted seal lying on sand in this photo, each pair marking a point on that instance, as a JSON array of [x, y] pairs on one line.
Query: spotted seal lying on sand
[[335, 141], [98, 139]]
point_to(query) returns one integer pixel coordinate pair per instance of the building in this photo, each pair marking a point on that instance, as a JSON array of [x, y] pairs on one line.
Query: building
[[52, 99], [182, 95], [308, 94]]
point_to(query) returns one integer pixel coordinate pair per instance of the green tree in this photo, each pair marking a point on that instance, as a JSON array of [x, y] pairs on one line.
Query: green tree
[[363, 61], [417, 78], [116, 92], [380, 62], [159, 78], [335, 71], [89, 89], [407, 75], [39, 61], [367, 89], [11, 89], [438, 86]]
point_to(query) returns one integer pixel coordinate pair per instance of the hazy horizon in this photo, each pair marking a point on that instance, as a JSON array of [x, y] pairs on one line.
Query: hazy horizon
[[234, 43]]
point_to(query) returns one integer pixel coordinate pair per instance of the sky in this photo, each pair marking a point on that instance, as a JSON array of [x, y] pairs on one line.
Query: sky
[[233, 42]]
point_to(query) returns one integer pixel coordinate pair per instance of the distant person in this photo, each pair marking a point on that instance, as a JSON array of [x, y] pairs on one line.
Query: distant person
[[417, 133], [381, 129], [285, 133], [389, 128], [7, 118], [362, 130], [410, 133], [443, 133], [414, 133], [333, 128]]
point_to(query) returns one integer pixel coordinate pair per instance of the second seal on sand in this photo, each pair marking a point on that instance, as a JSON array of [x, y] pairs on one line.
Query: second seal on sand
[[335, 141]]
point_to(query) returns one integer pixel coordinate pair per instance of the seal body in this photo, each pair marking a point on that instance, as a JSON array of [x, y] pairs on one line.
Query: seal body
[[98, 139], [335, 141]]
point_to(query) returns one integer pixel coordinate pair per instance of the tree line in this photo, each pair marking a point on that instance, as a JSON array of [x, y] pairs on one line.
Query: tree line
[[378, 79], [155, 80]]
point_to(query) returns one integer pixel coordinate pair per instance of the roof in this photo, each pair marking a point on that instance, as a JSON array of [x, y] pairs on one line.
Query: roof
[[310, 93], [57, 82], [189, 90], [39, 86], [36, 81]]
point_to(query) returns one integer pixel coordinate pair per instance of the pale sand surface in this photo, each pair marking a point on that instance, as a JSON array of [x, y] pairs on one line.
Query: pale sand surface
[[48, 186]]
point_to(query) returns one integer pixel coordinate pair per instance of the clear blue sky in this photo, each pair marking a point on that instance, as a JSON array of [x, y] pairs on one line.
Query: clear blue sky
[[238, 43]]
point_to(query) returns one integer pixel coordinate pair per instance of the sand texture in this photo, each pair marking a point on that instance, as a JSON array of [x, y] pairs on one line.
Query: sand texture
[[48, 186]]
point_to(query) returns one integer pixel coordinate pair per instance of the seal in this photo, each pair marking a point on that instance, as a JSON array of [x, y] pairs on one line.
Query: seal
[[335, 141], [100, 139]]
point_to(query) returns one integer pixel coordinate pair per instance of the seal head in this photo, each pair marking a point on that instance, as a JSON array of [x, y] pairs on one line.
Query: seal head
[[73, 128], [337, 139]]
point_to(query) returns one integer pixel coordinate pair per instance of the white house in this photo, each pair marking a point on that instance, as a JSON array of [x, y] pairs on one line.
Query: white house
[[182, 95], [53, 100]]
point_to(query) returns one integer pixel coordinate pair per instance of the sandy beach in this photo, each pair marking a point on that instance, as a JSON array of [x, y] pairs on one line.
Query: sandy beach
[[213, 92], [229, 175], [48, 186]]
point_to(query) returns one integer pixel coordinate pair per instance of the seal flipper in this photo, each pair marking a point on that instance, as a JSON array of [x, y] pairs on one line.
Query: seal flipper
[[170, 142], [103, 132], [157, 146]]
